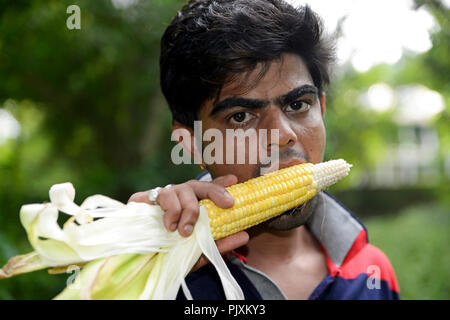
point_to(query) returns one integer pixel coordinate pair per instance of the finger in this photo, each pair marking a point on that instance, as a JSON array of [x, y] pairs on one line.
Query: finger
[[224, 245], [189, 210], [168, 201], [200, 263], [207, 190], [232, 242], [226, 181], [139, 197]]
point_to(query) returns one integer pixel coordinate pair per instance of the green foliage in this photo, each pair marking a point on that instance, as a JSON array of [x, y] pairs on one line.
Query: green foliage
[[416, 242], [91, 112]]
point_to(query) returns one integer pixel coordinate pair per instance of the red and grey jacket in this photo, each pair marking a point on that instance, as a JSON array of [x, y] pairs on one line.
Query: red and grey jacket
[[356, 269]]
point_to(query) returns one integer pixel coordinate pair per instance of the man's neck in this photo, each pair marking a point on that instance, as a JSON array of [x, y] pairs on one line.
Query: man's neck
[[283, 246]]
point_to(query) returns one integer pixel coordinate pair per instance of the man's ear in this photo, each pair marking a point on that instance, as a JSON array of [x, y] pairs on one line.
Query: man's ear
[[323, 107], [185, 136]]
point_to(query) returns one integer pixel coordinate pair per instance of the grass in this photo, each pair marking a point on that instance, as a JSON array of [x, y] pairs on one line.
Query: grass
[[417, 241]]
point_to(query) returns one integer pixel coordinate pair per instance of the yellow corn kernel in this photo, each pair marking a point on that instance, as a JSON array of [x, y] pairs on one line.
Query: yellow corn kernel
[[270, 195]]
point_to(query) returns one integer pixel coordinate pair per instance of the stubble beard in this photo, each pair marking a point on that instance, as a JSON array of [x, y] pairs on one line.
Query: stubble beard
[[293, 218]]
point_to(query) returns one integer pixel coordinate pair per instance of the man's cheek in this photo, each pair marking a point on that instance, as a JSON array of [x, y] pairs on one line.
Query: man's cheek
[[313, 140], [318, 147]]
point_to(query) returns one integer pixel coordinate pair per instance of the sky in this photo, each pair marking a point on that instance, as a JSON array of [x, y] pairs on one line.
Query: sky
[[375, 31], [381, 31], [9, 126]]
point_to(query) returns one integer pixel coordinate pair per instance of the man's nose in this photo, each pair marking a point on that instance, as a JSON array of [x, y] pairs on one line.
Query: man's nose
[[276, 119]]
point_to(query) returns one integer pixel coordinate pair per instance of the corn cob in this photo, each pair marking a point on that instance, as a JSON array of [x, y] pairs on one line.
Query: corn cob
[[135, 233], [268, 196]]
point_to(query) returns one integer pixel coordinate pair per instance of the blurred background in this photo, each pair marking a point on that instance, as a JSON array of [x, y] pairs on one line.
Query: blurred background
[[84, 105]]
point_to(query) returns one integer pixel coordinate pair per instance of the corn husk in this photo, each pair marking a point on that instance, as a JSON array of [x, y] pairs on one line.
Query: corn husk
[[122, 251]]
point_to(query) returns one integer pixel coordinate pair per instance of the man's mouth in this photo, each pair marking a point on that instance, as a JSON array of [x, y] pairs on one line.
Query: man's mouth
[[284, 164], [290, 163]]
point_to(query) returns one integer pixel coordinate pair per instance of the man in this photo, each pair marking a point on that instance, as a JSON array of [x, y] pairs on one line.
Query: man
[[263, 65]]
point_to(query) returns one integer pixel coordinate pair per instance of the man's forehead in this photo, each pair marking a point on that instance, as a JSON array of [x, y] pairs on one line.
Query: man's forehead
[[287, 71], [281, 76]]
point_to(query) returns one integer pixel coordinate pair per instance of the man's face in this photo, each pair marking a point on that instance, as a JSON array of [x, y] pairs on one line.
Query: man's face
[[284, 99]]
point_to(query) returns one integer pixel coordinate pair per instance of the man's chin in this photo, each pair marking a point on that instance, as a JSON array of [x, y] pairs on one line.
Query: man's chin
[[293, 218]]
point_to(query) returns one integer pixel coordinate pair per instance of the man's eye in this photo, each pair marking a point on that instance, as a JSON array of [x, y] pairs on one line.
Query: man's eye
[[299, 105], [240, 117]]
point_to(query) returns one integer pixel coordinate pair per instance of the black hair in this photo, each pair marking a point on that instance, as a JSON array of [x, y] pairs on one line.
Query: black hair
[[210, 41]]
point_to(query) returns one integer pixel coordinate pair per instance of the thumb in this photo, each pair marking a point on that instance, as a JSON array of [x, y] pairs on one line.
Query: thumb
[[225, 245], [226, 181]]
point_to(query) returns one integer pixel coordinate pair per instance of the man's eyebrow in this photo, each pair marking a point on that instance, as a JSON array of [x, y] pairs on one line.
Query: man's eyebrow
[[297, 93], [232, 102], [238, 102]]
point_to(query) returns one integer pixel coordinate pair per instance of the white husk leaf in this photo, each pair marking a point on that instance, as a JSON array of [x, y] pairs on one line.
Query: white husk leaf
[[231, 288], [121, 229]]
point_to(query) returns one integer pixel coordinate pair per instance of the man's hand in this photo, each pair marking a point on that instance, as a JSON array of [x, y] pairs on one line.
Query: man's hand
[[181, 208]]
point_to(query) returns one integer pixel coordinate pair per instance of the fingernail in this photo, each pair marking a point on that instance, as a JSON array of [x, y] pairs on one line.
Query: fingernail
[[188, 228], [227, 194], [173, 227]]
